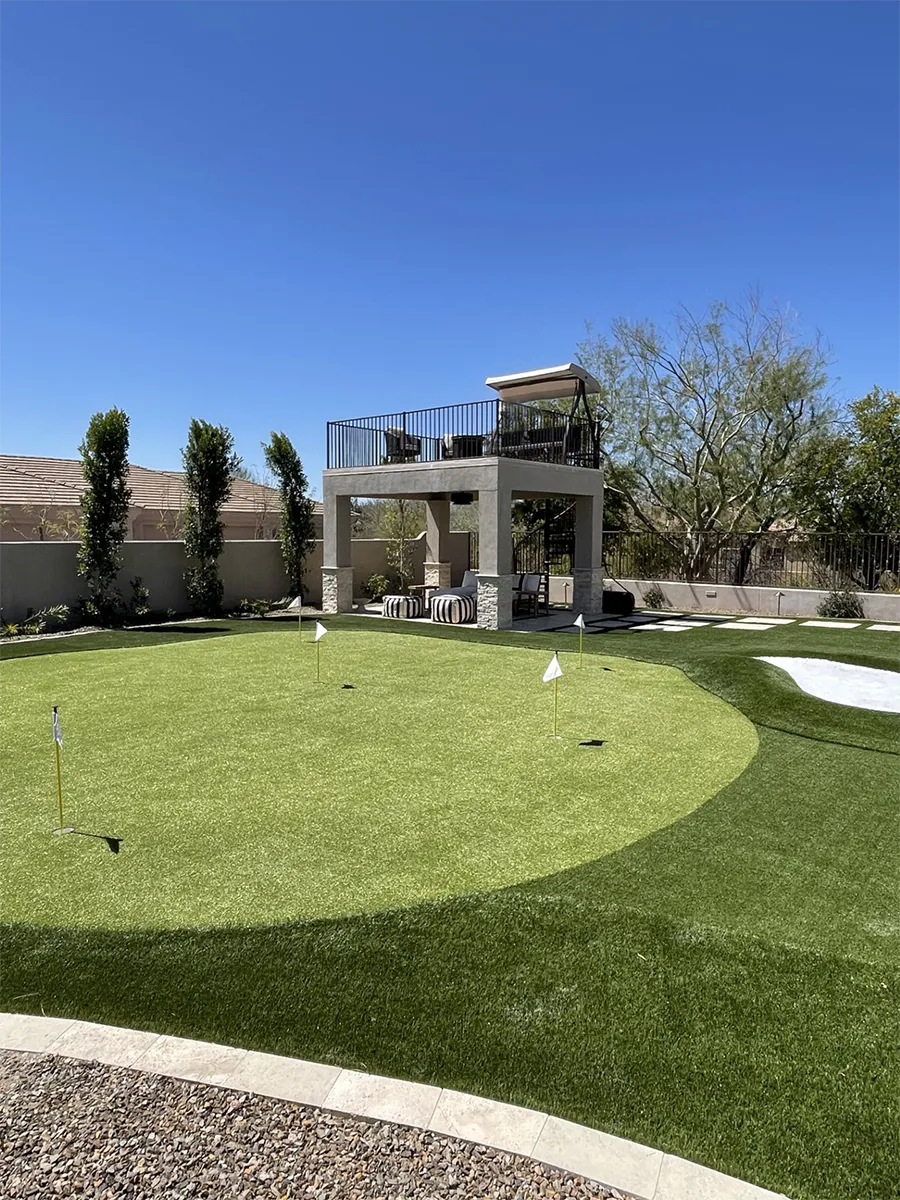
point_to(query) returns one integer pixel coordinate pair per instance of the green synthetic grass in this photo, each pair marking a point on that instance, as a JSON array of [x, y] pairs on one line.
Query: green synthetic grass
[[724, 987], [249, 793]]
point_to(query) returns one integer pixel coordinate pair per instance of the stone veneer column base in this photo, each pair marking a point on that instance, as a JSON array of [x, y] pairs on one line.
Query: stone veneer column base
[[437, 574], [587, 590], [337, 589], [495, 601]]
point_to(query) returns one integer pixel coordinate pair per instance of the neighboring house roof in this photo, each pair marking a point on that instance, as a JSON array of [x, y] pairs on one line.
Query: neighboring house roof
[[59, 482]]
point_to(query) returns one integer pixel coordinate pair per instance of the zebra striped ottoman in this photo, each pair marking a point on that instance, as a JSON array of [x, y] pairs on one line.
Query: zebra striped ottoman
[[453, 610], [404, 607]]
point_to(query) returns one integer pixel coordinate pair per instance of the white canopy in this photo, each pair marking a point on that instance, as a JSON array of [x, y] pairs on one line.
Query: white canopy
[[547, 383]]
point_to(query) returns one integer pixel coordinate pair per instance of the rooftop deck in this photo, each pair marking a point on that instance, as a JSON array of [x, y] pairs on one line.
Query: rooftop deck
[[483, 429]]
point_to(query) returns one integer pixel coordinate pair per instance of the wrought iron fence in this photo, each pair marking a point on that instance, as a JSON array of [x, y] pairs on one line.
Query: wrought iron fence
[[483, 429], [868, 562], [865, 562]]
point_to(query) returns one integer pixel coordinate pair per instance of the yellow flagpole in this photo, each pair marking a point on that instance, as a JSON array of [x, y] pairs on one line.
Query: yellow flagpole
[[59, 784], [555, 703], [580, 647], [317, 662]]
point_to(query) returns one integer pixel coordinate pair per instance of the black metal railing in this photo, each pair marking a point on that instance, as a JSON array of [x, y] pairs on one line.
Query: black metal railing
[[865, 561], [483, 429]]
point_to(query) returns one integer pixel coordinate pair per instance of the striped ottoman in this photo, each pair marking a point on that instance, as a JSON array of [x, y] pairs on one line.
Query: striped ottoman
[[404, 606], [453, 610]]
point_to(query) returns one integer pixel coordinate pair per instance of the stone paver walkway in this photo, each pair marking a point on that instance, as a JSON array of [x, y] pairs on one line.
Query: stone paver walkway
[[641, 1171]]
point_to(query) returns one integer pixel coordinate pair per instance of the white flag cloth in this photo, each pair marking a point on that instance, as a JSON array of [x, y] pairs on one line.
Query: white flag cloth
[[579, 621], [554, 671], [297, 602], [320, 630], [57, 731]]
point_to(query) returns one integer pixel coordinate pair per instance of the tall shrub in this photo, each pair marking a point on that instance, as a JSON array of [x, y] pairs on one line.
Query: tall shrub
[[296, 530], [209, 466], [104, 510]]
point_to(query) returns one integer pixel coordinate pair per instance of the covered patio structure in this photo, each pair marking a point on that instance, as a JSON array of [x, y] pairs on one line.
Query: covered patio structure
[[536, 440]]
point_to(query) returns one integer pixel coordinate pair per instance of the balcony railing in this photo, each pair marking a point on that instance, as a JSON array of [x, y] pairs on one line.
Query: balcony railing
[[484, 429]]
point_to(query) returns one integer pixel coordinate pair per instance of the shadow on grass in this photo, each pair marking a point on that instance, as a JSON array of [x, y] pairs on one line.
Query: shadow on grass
[[745, 1057], [112, 639]]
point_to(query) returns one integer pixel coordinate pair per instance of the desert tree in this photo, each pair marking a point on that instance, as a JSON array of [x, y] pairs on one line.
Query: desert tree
[[706, 422]]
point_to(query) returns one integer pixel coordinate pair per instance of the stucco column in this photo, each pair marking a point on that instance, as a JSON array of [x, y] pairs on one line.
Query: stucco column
[[437, 543], [495, 559], [337, 568], [587, 573]]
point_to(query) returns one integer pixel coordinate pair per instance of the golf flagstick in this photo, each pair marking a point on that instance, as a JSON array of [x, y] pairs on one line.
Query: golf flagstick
[[579, 621], [320, 633], [554, 673], [57, 743], [113, 842]]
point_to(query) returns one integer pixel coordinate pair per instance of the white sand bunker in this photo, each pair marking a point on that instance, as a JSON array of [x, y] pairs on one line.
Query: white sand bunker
[[843, 683]]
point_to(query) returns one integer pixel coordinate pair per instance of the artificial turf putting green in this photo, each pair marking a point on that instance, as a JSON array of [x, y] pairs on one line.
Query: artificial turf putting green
[[247, 793]]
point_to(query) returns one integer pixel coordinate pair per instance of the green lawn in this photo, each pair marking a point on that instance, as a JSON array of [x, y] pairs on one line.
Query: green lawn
[[687, 937]]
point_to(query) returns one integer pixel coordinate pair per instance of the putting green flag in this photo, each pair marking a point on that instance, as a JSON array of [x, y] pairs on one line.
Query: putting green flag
[[554, 673], [579, 622], [297, 605], [57, 744], [320, 633]]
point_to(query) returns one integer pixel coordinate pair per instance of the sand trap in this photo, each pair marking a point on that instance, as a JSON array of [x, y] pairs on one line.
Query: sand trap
[[843, 683]]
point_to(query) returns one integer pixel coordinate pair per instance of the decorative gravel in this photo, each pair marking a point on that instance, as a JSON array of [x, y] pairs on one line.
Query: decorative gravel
[[70, 1128]]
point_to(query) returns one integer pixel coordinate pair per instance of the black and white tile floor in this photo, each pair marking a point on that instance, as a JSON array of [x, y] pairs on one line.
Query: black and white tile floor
[[657, 622]]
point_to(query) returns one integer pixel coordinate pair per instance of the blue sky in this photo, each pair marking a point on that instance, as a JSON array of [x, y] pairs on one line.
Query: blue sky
[[269, 215]]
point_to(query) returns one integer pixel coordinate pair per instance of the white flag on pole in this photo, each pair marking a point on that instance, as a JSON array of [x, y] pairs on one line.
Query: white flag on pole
[[320, 630], [554, 671], [296, 603], [579, 621], [57, 731]]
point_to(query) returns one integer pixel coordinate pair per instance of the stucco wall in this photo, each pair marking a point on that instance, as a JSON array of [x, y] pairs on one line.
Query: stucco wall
[[717, 597], [35, 575]]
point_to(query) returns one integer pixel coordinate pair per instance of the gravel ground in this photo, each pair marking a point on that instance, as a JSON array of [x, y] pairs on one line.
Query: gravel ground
[[71, 1128]]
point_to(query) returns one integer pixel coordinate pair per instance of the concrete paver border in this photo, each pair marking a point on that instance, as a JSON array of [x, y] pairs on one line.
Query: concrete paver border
[[641, 1171]]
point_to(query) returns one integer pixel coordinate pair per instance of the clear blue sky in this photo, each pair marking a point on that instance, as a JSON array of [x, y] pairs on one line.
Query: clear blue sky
[[269, 215]]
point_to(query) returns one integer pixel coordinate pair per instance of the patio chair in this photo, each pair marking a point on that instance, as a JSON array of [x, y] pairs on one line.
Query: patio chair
[[400, 446], [526, 596], [462, 445]]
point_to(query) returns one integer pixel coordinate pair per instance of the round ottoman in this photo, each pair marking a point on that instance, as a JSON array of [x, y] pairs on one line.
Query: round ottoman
[[404, 607], [453, 610]]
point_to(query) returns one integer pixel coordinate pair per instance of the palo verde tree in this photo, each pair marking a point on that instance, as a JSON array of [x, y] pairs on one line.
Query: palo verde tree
[[210, 464], [296, 529], [104, 510], [706, 422]]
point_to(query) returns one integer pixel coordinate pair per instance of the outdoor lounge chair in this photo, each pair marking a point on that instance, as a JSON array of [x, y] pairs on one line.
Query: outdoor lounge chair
[[468, 587]]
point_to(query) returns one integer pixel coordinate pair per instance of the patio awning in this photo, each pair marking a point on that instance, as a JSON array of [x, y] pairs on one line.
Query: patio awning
[[547, 383]]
